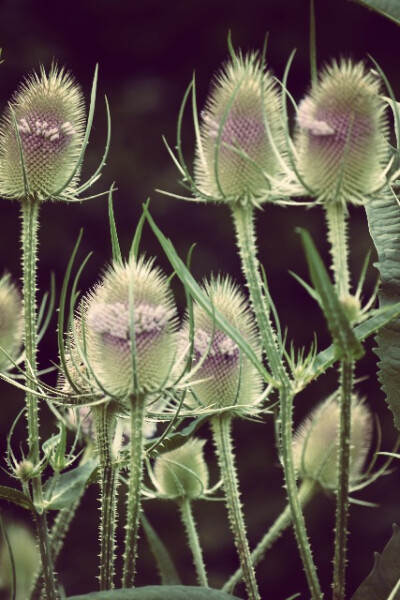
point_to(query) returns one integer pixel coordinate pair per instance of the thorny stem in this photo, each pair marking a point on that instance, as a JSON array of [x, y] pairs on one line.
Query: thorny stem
[[134, 489], [246, 240], [108, 488], [221, 428], [193, 539], [336, 215], [305, 492], [29, 216]]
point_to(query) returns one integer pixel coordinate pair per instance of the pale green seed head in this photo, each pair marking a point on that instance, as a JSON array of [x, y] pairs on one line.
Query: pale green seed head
[[235, 158], [183, 472], [316, 443], [342, 123], [11, 322], [49, 117], [107, 315], [223, 376]]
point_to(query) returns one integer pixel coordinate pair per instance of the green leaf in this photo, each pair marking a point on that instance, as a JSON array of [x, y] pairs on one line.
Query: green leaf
[[158, 592], [384, 224], [166, 568], [387, 8], [339, 326], [116, 250], [62, 490], [193, 288], [382, 317], [15, 496], [386, 572]]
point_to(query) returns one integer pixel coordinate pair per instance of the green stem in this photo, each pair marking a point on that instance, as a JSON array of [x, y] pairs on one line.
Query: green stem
[[243, 219], [194, 543], [108, 486], [221, 427], [30, 221], [246, 240], [46, 557], [336, 215], [305, 492], [336, 218], [58, 532], [342, 500], [134, 490]]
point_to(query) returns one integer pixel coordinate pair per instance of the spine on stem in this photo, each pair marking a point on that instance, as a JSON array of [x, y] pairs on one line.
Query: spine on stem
[[193, 539], [134, 490], [108, 487], [246, 240], [221, 427]]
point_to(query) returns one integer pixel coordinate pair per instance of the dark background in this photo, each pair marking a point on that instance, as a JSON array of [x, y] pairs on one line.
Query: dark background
[[147, 53]]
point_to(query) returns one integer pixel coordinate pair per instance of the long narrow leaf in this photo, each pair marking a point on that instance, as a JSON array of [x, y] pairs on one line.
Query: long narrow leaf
[[339, 326], [166, 568]]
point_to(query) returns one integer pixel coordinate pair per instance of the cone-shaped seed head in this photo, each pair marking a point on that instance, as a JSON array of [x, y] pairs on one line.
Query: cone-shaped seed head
[[11, 322], [341, 143], [235, 157], [137, 293], [46, 115], [223, 375], [316, 443], [183, 472]]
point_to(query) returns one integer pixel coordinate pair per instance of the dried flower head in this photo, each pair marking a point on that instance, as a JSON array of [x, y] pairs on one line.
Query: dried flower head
[[183, 472], [316, 443], [222, 375], [236, 159], [11, 322], [342, 152], [44, 122], [132, 302]]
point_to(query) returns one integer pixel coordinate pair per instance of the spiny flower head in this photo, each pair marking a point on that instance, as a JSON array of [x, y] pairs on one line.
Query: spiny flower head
[[316, 443], [342, 151], [11, 322], [235, 157], [45, 122], [222, 375], [183, 472], [138, 294]]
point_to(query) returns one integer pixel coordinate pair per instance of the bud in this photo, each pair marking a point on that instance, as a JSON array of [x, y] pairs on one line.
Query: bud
[[316, 443], [25, 470], [182, 473], [26, 559], [342, 151], [49, 116], [352, 307], [223, 375], [107, 315], [11, 322], [235, 157]]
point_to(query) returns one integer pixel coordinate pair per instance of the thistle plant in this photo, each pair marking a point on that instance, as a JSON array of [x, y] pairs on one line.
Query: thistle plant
[[139, 376]]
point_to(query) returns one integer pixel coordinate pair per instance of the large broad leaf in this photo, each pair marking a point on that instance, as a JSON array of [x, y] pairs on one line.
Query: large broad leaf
[[158, 592], [62, 490], [384, 225], [385, 575], [388, 8]]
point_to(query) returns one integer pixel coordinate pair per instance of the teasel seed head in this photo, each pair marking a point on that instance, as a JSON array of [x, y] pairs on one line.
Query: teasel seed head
[[44, 121], [183, 472], [222, 375], [139, 293], [11, 322], [316, 443], [235, 160], [342, 123]]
